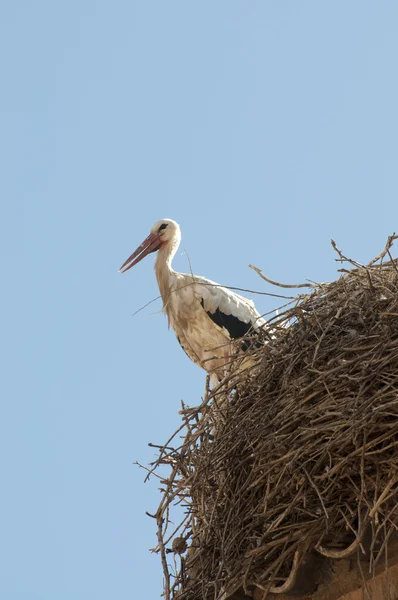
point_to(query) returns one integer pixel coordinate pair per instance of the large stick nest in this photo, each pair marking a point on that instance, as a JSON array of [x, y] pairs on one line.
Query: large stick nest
[[300, 456]]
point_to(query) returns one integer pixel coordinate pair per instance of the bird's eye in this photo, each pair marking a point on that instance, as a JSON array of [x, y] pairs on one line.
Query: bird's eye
[[163, 226]]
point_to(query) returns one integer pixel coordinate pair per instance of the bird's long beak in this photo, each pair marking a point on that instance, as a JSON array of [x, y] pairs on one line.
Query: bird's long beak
[[151, 244]]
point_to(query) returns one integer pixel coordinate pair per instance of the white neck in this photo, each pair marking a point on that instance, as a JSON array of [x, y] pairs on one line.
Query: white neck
[[163, 268], [165, 256]]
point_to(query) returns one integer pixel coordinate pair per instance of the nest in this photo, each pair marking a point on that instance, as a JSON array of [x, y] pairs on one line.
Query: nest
[[301, 455]]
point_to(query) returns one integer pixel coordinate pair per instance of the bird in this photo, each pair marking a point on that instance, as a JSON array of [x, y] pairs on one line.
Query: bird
[[205, 316]]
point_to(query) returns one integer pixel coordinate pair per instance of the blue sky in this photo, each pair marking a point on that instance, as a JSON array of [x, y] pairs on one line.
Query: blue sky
[[264, 128]]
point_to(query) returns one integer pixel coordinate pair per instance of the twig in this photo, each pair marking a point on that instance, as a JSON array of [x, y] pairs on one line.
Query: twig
[[282, 285], [344, 258], [390, 242], [216, 285]]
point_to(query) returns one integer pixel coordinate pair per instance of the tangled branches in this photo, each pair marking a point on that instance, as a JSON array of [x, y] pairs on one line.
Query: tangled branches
[[301, 456]]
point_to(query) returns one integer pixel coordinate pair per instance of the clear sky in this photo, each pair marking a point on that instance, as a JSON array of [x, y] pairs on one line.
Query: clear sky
[[264, 128]]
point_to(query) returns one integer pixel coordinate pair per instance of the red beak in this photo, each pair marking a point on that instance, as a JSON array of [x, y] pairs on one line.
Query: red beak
[[151, 244]]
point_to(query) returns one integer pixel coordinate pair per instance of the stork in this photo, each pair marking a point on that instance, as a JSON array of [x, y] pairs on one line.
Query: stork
[[205, 316]]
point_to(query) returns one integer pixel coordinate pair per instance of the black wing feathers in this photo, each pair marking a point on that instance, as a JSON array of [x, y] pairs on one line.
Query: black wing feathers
[[233, 325]]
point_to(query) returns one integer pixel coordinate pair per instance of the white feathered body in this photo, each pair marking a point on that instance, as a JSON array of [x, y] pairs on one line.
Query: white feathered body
[[187, 300]]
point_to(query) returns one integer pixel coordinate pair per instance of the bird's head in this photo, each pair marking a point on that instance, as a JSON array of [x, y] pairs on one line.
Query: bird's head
[[165, 234]]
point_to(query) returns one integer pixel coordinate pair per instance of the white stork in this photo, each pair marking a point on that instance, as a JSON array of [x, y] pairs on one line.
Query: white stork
[[205, 316]]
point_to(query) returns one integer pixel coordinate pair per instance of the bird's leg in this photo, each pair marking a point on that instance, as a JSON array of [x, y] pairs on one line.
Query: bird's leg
[[219, 399], [214, 380], [228, 360], [207, 392]]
